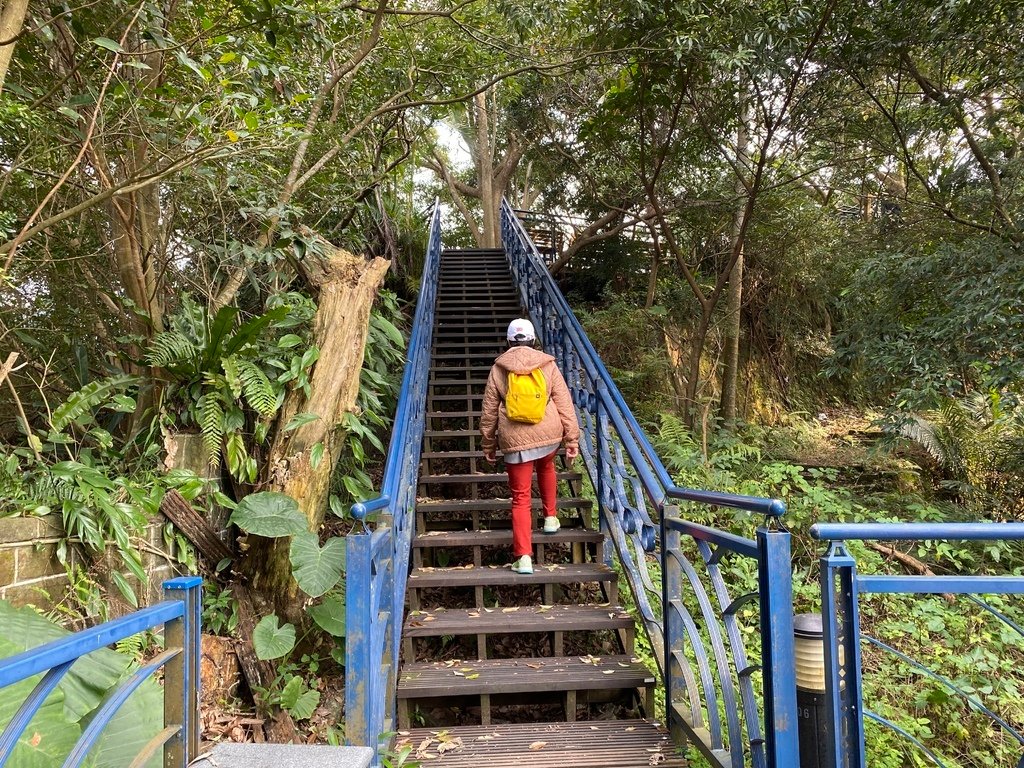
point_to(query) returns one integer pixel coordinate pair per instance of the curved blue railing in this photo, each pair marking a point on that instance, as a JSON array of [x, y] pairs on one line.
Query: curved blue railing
[[695, 630], [179, 615], [377, 563], [841, 587]]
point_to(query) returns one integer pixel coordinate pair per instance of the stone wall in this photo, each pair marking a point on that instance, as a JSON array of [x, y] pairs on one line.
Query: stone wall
[[31, 574]]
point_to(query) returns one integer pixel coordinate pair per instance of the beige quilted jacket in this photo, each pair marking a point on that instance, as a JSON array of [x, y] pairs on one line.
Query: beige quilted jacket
[[559, 423]]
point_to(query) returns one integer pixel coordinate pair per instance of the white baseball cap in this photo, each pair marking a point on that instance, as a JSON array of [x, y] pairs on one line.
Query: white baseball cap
[[520, 330]]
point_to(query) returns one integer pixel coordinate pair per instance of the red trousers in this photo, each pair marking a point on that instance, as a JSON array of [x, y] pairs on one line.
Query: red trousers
[[519, 477]]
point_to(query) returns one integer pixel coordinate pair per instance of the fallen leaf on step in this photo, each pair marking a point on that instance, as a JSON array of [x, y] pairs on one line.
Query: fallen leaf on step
[[510, 610], [608, 672], [474, 676], [449, 746], [538, 745], [631, 728]]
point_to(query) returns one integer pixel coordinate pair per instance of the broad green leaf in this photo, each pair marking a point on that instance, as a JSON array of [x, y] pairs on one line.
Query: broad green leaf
[[110, 45], [317, 569], [316, 455], [271, 640], [269, 514], [289, 340], [291, 692], [300, 420], [305, 705], [329, 615]]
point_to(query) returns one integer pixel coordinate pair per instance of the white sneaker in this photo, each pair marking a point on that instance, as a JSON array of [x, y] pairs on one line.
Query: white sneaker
[[523, 565], [551, 524]]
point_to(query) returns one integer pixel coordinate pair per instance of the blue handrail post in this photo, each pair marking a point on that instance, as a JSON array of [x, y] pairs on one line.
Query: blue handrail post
[[181, 676], [672, 586], [778, 659], [359, 677], [841, 630]]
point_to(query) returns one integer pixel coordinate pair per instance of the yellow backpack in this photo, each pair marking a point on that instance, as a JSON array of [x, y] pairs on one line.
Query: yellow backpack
[[527, 397]]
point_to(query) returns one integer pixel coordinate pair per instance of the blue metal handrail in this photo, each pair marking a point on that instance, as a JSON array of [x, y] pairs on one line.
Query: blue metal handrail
[[378, 558], [179, 615], [841, 587], [695, 633]]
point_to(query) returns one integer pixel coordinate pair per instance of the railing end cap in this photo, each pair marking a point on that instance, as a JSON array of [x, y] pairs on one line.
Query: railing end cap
[[183, 582], [777, 508]]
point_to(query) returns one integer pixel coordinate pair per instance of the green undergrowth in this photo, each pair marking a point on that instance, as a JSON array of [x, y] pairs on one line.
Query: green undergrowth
[[956, 639]]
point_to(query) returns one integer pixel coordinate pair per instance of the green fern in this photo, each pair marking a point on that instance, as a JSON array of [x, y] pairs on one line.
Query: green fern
[[258, 390], [211, 423], [173, 350], [230, 365], [88, 397], [923, 432]]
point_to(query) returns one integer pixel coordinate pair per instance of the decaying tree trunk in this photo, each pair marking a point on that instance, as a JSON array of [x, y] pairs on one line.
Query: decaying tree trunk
[[347, 286]]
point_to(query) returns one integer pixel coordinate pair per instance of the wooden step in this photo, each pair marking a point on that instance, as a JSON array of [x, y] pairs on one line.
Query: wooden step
[[489, 576], [479, 454], [588, 744], [503, 537], [488, 505], [564, 673], [495, 477], [527, 618]]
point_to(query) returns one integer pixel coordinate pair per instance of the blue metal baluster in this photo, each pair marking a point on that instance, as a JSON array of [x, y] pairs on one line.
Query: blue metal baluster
[[728, 608], [775, 573], [841, 630], [101, 718], [724, 673], [28, 709]]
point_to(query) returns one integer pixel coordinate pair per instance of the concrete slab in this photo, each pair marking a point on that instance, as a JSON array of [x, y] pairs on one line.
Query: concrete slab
[[284, 756]]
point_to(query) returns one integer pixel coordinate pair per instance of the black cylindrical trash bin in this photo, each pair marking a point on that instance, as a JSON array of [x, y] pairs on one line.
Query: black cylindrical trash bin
[[812, 706]]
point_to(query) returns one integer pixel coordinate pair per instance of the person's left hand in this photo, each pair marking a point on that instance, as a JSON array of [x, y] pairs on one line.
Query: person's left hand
[[571, 452]]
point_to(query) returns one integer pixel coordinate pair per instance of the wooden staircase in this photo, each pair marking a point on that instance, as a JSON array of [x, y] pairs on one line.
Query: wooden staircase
[[500, 668]]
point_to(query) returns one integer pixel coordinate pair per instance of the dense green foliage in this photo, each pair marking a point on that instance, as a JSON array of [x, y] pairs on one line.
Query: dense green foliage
[[815, 207]]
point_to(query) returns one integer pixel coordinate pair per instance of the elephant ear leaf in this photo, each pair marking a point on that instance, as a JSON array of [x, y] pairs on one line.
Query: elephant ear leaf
[[56, 727]]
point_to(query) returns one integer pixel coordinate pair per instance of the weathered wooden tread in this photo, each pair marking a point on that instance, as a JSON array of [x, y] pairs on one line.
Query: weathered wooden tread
[[528, 618], [486, 575], [484, 477], [586, 744], [497, 538], [471, 505], [478, 453], [439, 433], [550, 673]]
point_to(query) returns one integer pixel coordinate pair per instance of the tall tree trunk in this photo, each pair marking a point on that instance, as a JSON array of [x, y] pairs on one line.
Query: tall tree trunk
[[12, 18], [348, 285], [734, 295], [490, 198]]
